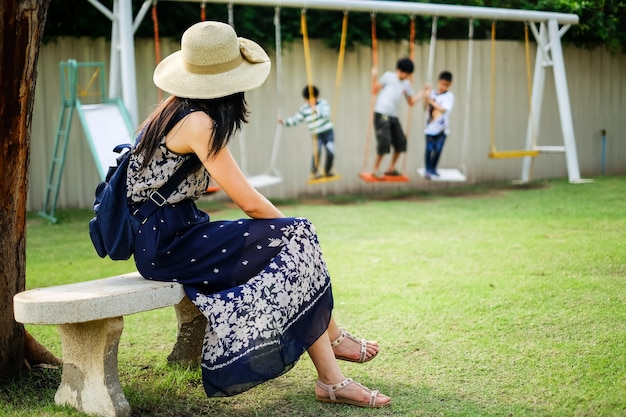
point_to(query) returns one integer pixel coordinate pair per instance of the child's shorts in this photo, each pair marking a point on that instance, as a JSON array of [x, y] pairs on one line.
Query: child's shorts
[[388, 133]]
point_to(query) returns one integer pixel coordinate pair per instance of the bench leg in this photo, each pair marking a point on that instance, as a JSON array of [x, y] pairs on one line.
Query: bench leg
[[191, 329], [90, 380]]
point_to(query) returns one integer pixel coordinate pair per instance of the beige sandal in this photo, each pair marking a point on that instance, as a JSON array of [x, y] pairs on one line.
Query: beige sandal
[[332, 398], [363, 354]]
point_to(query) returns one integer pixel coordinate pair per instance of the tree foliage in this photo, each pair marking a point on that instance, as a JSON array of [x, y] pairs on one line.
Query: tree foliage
[[599, 21]]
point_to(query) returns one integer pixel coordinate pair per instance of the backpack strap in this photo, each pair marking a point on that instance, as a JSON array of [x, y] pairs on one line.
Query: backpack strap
[[158, 198]]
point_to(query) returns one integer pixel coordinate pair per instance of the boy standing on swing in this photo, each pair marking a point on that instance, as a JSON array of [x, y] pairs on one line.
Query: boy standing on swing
[[391, 87], [438, 105], [317, 115]]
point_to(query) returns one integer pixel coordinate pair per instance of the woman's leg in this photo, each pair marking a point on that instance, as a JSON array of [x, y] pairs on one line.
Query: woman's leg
[[349, 348], [328, 372]]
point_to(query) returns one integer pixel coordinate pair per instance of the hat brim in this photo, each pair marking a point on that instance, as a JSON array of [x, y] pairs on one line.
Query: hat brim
[[172, 77]]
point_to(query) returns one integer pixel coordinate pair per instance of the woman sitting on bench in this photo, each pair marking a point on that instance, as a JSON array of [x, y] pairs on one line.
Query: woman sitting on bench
[[261, 282]]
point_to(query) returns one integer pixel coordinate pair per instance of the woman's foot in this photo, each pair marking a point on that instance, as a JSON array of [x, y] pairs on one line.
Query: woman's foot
[[350, 392], [349, 348]]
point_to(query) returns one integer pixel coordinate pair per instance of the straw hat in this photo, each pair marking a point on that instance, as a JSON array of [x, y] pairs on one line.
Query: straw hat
[[212, 63]]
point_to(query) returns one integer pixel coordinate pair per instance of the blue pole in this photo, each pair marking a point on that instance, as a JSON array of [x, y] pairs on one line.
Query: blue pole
[[603, 150]]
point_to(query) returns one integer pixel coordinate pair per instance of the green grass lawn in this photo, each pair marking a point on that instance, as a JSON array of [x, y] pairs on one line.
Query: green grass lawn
[[487, 301]]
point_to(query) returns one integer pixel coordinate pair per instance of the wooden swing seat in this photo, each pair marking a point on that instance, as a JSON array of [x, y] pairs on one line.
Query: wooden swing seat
[[520, 153]]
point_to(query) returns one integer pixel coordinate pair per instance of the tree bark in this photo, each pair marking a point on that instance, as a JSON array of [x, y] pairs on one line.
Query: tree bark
[[21, 30]]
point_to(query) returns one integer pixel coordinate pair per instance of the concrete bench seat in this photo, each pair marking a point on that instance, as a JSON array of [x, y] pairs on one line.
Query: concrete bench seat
[[89, 317]]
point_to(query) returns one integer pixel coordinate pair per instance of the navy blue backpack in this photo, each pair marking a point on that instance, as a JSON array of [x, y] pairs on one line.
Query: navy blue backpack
[[113, 228]]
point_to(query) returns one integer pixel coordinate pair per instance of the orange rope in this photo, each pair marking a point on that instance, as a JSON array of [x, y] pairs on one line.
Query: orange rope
[[412, 39], [157, 44], [374, 43]]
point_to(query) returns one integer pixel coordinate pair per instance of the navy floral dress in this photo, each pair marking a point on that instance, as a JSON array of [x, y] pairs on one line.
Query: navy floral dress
[[263, 285]]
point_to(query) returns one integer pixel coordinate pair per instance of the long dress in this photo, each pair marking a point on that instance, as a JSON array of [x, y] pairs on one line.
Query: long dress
[[263, 285]]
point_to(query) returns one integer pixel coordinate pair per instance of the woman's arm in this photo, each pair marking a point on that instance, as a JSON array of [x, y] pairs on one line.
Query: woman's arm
[[192, 135], [225, 171]]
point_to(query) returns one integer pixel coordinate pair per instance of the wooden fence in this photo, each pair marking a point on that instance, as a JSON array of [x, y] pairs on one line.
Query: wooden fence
[[597, 86]]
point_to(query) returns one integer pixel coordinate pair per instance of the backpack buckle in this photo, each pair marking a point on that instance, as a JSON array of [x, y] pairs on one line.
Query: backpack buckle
[[158, 199]]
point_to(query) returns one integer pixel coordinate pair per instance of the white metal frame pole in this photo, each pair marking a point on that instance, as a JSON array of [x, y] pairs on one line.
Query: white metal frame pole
[[123, 56], [542, 61], [122, 75], [411, 8], [562, 95], [468, 94], [115, 86], [127, 58]]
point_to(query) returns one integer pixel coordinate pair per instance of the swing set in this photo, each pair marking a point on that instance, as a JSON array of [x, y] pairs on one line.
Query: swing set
[[271, 175], [368, 176], [521, 153], [547, 27], [309, 76], [452, 174]]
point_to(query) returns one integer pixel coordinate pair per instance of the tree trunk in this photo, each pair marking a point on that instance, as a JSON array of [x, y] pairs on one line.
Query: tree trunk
[[21, 29]]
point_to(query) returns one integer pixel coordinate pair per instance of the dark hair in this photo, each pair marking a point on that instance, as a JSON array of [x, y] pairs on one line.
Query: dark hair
[[306, 94], [446, 76], [228, 114], [405, 65]]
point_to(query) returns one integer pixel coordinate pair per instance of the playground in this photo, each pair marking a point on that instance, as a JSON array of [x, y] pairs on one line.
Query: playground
[[510, 121], [494, 284], [486, 300]]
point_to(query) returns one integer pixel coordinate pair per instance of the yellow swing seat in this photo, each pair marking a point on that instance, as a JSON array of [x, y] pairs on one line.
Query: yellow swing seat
[[309, 76], [521, 153], [323, 179]]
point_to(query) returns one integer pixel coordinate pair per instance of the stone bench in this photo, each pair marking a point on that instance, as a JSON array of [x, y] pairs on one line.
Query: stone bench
[[89, 317]]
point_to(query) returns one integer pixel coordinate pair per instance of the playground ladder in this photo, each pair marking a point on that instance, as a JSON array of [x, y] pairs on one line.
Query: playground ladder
[[116, 125]]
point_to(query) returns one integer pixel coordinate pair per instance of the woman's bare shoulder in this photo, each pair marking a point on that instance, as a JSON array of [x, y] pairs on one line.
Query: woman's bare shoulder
[[191, 133], [199, 121]]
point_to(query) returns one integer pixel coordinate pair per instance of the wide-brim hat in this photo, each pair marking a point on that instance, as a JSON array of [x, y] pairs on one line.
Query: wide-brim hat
[[212, 63]]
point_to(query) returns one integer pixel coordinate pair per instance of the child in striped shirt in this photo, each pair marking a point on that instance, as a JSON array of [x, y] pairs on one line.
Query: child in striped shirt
[[317, 117]]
